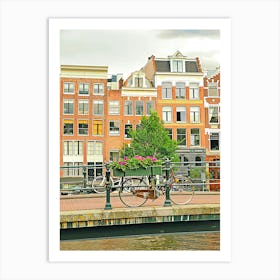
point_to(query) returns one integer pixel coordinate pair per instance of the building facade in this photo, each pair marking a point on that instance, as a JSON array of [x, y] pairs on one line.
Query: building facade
[[97, 110]]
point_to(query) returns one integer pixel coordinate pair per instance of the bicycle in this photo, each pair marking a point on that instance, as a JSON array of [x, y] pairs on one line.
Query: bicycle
[[99, 184], [135, 191]]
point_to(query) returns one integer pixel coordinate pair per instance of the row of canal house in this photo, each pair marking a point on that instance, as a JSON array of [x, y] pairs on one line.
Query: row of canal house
[[97, 112]]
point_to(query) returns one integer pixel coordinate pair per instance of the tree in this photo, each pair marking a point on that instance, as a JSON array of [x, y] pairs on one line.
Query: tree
[[151, 139]]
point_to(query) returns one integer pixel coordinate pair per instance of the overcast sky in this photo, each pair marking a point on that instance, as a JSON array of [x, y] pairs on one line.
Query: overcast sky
[[125, 51]]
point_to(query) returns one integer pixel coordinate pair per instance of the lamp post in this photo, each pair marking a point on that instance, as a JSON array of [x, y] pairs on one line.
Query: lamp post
[[108, 205], [167, 181]]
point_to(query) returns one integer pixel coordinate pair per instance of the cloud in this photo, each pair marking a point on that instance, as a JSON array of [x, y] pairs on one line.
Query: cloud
[[190, 34]]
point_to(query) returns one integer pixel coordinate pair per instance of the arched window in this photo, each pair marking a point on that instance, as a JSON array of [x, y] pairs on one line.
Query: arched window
[[198, 161]]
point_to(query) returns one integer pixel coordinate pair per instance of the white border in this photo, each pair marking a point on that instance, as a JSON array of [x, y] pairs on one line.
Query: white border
[[55, 25]]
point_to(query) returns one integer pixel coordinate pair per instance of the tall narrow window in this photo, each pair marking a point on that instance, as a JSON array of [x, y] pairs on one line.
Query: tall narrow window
[[138, 82], [213, 114], [149, 107], [195, 115], [195, 137], [83, 89], [98, 107], [181, 136], [69, 88], [180, 90], [214, 141], [167, 114], [114, 107], [68, 107], [166, 90], [177, 65], [83, 107], [181, 114], [194, 91], [128, 108], [68, 127], [68, 148], [83, 127], [98, 89], [127, 129], [78, 148], [213, 89], [97, 127], [139, 108]]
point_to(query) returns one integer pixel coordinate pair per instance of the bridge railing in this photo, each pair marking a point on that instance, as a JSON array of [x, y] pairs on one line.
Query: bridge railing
[[204, 175]]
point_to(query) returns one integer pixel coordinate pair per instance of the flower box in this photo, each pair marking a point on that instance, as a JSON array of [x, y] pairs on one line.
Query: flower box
[[151, 170]]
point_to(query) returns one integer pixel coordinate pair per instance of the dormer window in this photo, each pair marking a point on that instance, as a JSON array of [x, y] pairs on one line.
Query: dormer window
[[177, 66], [138, 82]]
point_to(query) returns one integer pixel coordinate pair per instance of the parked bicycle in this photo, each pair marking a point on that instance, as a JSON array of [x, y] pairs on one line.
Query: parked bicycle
[[135, 191]]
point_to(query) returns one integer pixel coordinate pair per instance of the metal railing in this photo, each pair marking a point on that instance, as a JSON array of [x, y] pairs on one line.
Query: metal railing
[[204, 176]]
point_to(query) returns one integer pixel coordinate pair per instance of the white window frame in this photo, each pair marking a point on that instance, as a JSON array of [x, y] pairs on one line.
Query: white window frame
[[68, 101], [210, 116], [128, 104], [194, 137], [82, 101], [141, 102], [166, 92], [114, 107], [83, 94], [167, 114], [114, 132], [194, 91], [180, 90], [100, 89], [194, 114], [181, 109], [98, 103], [70, 83], [214, 87]]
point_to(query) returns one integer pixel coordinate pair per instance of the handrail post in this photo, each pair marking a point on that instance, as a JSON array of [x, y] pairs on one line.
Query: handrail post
[[167, 182], [85, 177], [108, 205]]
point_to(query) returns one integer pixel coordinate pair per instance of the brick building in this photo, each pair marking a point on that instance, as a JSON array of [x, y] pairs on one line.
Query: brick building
[[97, 111]]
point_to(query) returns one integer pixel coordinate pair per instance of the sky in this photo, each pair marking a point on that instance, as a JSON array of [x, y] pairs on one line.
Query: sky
[[126, 51]]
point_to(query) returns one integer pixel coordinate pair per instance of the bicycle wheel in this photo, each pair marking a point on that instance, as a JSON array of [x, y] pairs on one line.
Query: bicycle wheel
[[133, 192], [99, 184], [181, 191]]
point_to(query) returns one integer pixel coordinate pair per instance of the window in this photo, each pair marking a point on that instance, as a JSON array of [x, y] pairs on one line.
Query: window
[[181, 136], [83, 127], [214, 141], [68, 127], [68, 148], [68, 107], [166, 90], [97, 127], [139, 108], [213, 114], [198, 161], [98, 107], [114, 107], [212, 89], [139, 82], [114, 155], [177, 65], [180, 91], [169, 131], [69, 88], [149, 107], [128, 108], [78, 148], [167, 114], [127, 129], [181, 114], [114, 128], [71, 148], [83, 107], [194, 91], [195, 115], [73, 171], [195, 137], [83, 89], [98, 89], [94, 148]]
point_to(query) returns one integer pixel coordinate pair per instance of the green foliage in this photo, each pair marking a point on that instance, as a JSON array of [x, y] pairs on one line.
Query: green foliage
[[151, 139], [195, 173]]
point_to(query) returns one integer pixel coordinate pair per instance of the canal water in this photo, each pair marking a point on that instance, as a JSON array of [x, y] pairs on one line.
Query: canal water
[[167, 241]]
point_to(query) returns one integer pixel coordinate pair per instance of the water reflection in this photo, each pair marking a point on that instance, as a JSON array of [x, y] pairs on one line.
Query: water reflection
[[178, 241]]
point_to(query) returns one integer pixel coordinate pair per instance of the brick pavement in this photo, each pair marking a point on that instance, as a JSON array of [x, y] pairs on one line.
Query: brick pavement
[[97, 201]]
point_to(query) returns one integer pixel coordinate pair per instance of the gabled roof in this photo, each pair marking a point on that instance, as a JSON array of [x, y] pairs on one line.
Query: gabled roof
[[164, 66]]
